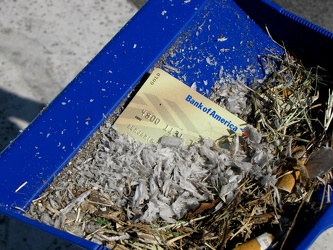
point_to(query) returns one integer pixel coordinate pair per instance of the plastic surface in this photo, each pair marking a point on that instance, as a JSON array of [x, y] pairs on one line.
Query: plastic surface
[[197, 41], [220, 44], [325, 222]]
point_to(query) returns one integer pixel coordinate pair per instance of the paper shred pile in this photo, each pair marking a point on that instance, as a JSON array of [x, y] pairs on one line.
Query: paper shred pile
[[148, 182]]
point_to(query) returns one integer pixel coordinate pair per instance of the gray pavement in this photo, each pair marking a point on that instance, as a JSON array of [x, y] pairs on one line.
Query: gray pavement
[[44, 44], [319, 12]]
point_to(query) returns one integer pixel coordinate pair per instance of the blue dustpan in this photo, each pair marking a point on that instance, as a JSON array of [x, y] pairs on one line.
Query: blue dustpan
[[197, 41]]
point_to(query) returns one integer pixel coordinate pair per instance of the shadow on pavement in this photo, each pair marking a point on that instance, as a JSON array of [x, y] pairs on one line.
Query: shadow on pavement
[[15, 114], [28, 237]]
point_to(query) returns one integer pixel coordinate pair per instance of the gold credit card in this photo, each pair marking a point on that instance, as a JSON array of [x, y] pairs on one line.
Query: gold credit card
[[164, 106]]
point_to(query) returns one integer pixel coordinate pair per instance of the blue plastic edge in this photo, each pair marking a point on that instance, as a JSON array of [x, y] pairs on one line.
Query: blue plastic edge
[[325, 222]]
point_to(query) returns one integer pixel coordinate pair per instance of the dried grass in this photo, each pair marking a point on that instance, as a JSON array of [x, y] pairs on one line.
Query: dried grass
[[283, 110]]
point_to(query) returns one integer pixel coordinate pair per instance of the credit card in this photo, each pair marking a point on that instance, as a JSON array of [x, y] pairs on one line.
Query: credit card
[[164, 106]]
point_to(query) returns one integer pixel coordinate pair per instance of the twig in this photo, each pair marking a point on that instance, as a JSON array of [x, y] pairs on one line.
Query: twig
[[328, 111], [181, 223], [227, 224], [294, 221], [169, 242]]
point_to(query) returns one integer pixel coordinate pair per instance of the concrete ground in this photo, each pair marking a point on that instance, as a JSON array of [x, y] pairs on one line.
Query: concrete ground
[[318, 12], [44, 44]]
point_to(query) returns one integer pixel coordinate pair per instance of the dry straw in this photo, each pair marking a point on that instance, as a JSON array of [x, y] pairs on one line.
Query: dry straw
[[127, 195]]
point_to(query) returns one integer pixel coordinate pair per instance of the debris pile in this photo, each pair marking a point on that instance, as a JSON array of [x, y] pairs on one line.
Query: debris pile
[[209, 195]]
